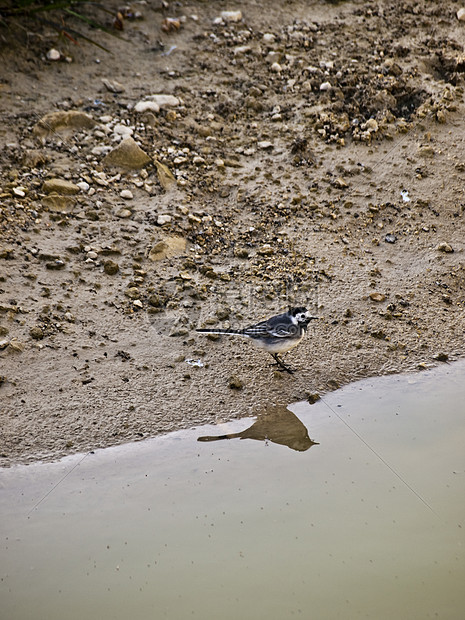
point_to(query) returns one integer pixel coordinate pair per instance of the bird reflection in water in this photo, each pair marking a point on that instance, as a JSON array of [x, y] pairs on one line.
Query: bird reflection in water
[[276, 424]]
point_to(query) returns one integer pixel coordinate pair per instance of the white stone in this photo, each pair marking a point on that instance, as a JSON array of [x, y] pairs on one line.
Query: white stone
[[325, 86], [231, 16], [276, 67], [113, 86], [461, 15], [265, 145], [165, 101], [101, 150], [405, 196], [147, 106], [268, 37], [242, 49], [19, 191], [53, 54], [83, 186], [126, 194], [163, 219], [273, 56], [123, 130], [92, 255]]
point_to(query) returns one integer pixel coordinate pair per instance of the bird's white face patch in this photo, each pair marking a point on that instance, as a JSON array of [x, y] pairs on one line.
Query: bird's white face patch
[[303, 317]]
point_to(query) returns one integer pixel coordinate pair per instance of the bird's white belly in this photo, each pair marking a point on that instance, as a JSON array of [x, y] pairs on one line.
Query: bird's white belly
[[277, 346]]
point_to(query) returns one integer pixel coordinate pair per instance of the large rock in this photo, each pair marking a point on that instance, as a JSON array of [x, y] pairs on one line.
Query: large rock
[[56, 122], [165, 176], [127, 154], [60, 186], [59, 204], [168, 247]]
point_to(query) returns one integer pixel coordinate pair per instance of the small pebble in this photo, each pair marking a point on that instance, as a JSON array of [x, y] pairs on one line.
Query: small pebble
[[113, 86], [461, 15], [231, 16], [165, 101], [54, 54], [110, 267], [445, 247], [235, 383], [126, 194], [242, 49], [372, 125], [123, 130], [17, 346], [147, 106], [132, 292], [123, 213], [36, 333]]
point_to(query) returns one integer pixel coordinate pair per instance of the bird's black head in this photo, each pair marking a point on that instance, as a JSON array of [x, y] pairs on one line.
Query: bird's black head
[[302, 315]]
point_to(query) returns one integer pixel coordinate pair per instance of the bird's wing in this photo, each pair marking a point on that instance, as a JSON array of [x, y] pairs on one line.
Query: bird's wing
[[284, 331], [276, 327], [260, 330]]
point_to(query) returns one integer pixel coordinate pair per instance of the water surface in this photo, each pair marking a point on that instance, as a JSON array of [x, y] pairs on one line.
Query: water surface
[[350, 508]]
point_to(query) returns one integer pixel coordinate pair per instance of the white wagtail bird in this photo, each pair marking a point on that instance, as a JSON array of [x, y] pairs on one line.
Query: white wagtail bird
[[278, 334]]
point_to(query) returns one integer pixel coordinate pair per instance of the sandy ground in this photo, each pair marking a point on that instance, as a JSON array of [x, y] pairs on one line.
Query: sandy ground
[[311, 153]]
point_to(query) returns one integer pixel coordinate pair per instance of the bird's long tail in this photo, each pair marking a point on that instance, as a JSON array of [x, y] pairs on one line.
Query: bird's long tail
[[230, 332]]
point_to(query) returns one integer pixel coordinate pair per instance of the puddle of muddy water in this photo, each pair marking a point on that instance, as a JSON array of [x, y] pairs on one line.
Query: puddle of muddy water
[[369, 522]]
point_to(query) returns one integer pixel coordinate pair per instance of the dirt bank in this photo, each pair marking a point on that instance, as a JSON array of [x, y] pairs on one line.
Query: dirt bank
[[310, 153]]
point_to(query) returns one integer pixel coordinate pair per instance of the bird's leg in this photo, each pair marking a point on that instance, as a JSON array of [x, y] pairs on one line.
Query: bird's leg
[[280, 364]]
